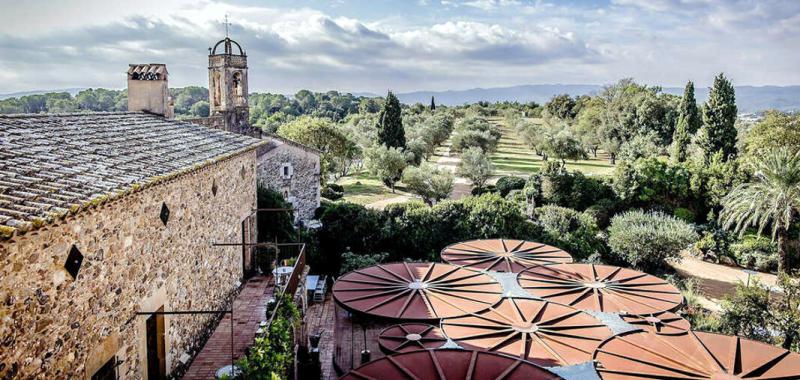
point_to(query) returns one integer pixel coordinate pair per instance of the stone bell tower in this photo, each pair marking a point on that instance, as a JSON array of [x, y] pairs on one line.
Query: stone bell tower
[[227, 85]]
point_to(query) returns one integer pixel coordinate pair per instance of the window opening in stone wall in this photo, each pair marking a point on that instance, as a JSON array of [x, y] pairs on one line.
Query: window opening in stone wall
[[214, 187], [156, 347], [74, 260], [164, 213]]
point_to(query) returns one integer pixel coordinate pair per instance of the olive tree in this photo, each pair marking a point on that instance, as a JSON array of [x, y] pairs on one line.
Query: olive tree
[[647, 240]]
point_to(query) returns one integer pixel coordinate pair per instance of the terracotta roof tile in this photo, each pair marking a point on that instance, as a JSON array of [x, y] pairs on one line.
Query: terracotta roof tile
[[51, 163]]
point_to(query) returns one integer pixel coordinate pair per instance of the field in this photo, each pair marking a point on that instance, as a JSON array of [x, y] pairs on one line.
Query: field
[[513, 157]]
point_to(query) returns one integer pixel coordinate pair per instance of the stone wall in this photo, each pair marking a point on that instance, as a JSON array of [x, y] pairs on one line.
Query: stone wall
[[302, 187], [54, 326]]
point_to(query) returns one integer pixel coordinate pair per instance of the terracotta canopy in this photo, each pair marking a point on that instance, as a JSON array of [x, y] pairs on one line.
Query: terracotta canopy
[[601, 288], [503, 255], [410, 337], [449, 364], [542, 332], [665, 322], [416, 291], [693, 355]]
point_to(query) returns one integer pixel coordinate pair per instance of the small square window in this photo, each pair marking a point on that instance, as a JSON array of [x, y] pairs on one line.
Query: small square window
[[74, 261], [164, 213], [286, 170]]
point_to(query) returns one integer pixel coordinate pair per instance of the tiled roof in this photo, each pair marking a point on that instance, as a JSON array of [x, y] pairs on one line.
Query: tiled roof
[[55, 164]]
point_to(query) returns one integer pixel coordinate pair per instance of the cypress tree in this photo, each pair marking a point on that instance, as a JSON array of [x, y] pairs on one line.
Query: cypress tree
[[688, 123], [433, 104], [718, 132], [390, 124]]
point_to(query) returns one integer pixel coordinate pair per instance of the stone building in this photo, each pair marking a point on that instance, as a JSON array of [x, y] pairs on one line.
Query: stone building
[[104, 216], [283, 165]]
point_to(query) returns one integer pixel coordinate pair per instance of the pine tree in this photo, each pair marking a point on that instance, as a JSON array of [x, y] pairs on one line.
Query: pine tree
[[688, 123], [718, 132], [433, 104], [390, 124]]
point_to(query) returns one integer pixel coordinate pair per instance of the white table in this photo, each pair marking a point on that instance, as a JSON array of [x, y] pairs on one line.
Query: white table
[[282, 274]]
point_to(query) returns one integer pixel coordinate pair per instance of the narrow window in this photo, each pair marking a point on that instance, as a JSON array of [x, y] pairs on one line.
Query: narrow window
[[74, 260]]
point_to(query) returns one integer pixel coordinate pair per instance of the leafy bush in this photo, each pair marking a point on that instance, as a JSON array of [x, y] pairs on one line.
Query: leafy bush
[[756, 252], [329, 192], [345, 227], [352, 261], [504, 185], [647, 240], [652, 183], [273, 225], [475, 165], [570, 189], [465, 139], [429, 182], [746, 312], [272, 355], [574, 231], [684, 214]]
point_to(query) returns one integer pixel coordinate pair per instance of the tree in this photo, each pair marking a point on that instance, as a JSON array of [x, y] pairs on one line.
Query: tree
[[753, 312], [561, 106], [319, 134], [771, 200], [433, 104], [390, 124], [719, 121], [776, 130], [564, 146], [647, 240], [429, 182], [475, 166], [688, 123], [387, 163], [199, 109]]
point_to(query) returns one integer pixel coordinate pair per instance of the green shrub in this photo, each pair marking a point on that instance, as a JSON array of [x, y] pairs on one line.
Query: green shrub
[[272, 355], [504, 185], [647, 240], [684, 214], [570, 189], [352, 261], [756, 252], [571, 230], [346, 227], [330, 192], [274, 225], [335, 187]]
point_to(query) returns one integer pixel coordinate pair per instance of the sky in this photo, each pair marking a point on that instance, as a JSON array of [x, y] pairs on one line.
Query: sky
[[403, 45]]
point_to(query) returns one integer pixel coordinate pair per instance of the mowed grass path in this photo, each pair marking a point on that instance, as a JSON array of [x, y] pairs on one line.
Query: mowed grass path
[[513, 157]]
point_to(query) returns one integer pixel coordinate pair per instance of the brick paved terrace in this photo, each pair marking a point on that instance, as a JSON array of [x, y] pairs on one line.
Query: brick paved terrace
[[249, 309]]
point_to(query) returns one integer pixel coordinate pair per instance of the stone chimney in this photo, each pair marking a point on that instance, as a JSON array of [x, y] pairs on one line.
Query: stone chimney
[[148, 90]]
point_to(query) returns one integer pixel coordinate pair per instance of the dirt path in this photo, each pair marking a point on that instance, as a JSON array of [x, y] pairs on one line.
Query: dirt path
[[715, 281], [448, 160]]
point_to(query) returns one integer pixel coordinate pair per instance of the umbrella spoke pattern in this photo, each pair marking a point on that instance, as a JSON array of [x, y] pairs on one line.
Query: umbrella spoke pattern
[[541, 332], [601, 288], [410, 337], [503, 255], [416, 291], [664, 323], [693, 355], [449, 364]]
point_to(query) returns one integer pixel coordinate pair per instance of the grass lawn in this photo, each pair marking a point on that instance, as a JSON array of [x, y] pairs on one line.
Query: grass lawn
[[364, 189], [513, 157]]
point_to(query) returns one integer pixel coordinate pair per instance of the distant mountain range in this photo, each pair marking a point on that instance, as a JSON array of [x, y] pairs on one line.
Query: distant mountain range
[[748, 98]]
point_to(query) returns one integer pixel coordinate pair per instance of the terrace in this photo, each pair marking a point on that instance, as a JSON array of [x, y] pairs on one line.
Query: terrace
[[517, 309]]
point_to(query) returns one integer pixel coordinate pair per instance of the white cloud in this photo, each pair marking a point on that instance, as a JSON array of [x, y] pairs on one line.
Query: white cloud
[[455, 45]]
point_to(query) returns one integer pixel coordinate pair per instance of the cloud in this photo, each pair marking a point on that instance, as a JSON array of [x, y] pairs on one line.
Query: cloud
[[436, 45]]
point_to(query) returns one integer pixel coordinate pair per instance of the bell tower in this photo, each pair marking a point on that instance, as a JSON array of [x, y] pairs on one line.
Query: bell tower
[[227, 85]]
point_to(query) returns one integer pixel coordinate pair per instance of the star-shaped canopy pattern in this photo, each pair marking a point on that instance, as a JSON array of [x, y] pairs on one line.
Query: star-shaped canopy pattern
[[542, 332], [602, 288], [693, 355], [503, 255], [665, 322], [416, 291], [410, 337], [449, 364]]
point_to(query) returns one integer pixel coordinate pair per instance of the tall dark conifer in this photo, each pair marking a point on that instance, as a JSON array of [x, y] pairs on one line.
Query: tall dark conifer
[[390, 124], [688, 123], [719, 121], [433, 104]]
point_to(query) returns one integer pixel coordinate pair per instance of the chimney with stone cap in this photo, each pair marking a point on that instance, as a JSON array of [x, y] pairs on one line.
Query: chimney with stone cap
[[148, 90]]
